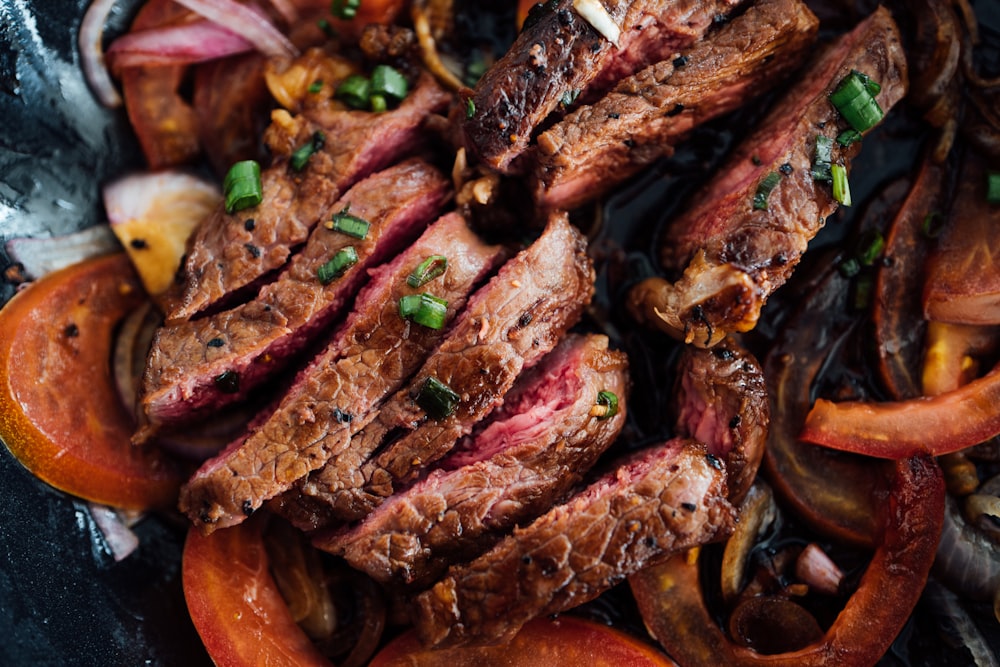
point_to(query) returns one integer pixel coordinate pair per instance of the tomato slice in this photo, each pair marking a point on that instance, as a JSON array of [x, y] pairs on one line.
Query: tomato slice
[[235, 604], [543, 642], [60, 414]]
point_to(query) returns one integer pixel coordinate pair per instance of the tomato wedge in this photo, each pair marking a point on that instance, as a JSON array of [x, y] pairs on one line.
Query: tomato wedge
[[543, 642], [60, 414], [235, 604]]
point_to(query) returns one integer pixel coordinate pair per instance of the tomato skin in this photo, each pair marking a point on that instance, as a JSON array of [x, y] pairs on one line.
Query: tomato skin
[[543, 642], [60, 414], [235, 604]]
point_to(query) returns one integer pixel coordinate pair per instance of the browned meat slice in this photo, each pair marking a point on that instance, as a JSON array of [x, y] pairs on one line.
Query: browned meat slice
[[509, 325], [371, 355], [199, 365], [668, 498], [535, 448], [559, 56], [220, 262], [721, 401], [597, 147], [732, 253]]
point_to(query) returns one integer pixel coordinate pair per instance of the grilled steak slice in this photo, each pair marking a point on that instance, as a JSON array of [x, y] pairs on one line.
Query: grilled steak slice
[[536, 447], [359, 143], [734, 254], [668, 498], [559, 55], [249, 343], [721, 401], [597, 147], [509, 325], [371, 355]]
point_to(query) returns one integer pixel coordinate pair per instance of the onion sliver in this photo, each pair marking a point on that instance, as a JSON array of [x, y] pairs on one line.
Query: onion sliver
[[246, 22], [40, 256], [92, 53], [176, 45]]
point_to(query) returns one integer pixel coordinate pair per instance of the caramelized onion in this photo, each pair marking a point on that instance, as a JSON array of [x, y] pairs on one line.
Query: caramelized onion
[[182, 44], [90, 42], [245, 21]]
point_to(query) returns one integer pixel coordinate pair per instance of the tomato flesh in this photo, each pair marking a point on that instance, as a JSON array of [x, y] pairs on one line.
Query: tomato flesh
[[60, 414]]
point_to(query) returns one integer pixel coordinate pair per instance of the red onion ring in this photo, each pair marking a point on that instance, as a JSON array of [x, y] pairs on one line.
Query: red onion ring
[[246, 22], [176, 45], [92, 53]]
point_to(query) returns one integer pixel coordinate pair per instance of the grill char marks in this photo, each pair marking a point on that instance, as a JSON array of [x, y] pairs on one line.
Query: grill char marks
[[219, 268], [371, 355], [667, 498], [536, 447], [252, 341], [558, 56], [599, 146], [733, 256]]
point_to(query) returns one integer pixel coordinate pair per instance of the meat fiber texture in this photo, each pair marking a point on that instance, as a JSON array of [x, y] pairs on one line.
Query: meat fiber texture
[[599, 146], [669, 497], [559, 56], [252, 342], [524, 459], [508, 326], [371, 355], [725, 255], [219, 265]]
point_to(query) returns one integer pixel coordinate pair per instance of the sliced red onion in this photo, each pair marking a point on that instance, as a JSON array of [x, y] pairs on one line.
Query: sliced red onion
[[40, 256], [246, 22], [817, 569], [89, 41], [118, 536], [176, 45]]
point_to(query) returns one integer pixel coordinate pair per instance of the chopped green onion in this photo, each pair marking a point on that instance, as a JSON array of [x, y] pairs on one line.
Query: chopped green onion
[[848, 137], [823, 158], [427, 270], [470, 108], [849, 268], [764, 189], [242, 187], [389, 83], [378, 103], [841, 188], [855, 100], [871, 247], [932, 225], [302, 154], [424, 309], [569, 97], [337, 265], [354, 91], [437, 399], [993, 187], [607, 405], [351, 225], [345, 9], [327, 29]]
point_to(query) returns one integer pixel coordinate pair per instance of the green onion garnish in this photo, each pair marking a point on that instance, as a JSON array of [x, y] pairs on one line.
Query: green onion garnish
[[335, 267], [841, 188], [242, 187], [607, 405], [302, 154], [427, 270], [764, 189], [378, 103], [932, 225], [316, 86], [822, 158], [854, 98], [470, 108], [389, 83], [993, 187], [871, 247], [424, 309], [849, 268], [354, 91], [351, 225], [345, 9], [848, 137], [437, 399]]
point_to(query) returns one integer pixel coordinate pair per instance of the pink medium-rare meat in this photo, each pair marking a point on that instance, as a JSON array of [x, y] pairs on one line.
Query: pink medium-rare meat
[[371, 355], [730, 250]]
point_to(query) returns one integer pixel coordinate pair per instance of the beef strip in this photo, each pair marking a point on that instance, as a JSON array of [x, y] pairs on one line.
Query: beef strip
[[371, 355], [218, 263], [733, 255], [720, 400], [668, 498], [559, 55], [509, 325], [599, 146], [251, 342], [536, 447]]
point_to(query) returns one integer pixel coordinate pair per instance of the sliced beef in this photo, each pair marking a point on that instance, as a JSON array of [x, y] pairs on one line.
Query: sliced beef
[[721, 401], [357, 144], [668, 498], [371, 355], [727, 256], [509, 325], [599, 146], [559, 56], [250, 343], [540, 443]]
